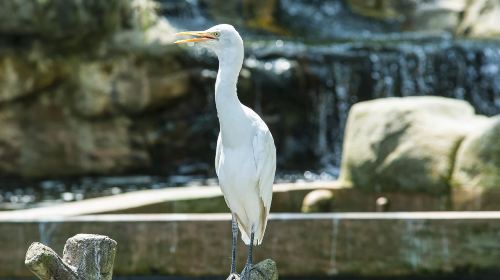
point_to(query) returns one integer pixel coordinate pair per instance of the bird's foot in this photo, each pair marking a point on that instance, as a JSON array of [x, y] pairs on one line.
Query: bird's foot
[[233, 276], [245, 274]]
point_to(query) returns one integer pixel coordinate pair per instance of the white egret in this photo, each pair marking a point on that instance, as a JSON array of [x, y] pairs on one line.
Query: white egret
[[245, 160]]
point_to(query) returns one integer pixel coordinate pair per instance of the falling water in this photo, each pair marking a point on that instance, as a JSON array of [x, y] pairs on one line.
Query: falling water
[[304, 89]]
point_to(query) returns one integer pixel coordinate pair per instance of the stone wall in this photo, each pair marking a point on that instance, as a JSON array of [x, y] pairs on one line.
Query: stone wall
[[381, 245]]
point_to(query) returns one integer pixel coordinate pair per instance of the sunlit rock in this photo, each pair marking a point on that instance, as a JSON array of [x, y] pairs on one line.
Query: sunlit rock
[[434, 15], [318, 201], [405, 144], [477, 164], [466, 18], [480, 19]]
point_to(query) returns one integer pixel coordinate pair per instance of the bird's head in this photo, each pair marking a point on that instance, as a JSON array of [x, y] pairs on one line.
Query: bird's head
[[220, 39]]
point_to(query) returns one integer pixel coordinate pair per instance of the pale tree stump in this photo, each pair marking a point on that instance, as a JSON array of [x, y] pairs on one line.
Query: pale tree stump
[[85, 257]]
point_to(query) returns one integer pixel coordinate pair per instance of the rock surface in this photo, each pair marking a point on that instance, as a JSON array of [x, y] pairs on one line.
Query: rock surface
[[74, 75], [406, 144], [477, 164], [46, 264], [433, 15], [470, 18], [480, 19], [264, 270]]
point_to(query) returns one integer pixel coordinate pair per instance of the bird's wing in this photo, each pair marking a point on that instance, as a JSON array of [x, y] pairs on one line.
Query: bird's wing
[[265, 159], [217, 154], [217, 159]]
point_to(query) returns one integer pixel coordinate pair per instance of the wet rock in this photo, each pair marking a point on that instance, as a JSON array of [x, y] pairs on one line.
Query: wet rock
[[318, 201], [477, 164], [405, 144]]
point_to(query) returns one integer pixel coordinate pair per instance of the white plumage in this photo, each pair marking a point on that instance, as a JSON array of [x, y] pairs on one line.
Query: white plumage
[[245, 159], [246, 175]]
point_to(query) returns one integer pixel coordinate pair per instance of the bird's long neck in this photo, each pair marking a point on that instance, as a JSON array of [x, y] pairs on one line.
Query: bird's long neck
[[225, 85], [229, 108]]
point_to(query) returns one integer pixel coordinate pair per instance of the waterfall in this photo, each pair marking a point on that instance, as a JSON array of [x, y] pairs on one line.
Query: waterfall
[[304, 85]]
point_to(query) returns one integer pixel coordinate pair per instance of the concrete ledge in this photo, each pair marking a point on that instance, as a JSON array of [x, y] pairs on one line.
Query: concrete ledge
[[286, 198], [365, 244]]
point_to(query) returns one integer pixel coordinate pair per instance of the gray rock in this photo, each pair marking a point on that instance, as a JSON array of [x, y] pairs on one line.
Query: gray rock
[[264, 270], [477, 164], [405, 144]]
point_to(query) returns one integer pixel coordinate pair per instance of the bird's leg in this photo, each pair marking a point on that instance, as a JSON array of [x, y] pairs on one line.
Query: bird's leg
[[234, 229], [246, 271]]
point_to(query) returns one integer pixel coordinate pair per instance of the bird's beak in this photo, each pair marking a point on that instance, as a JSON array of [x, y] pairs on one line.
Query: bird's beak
[[200, 36]]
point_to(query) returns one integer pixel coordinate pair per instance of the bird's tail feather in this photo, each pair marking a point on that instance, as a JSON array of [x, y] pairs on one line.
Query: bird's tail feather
[[246, 239], [245, 234]]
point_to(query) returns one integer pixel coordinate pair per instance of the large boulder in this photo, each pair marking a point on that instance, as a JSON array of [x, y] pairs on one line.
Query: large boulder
[[405, 144], [477, 164]]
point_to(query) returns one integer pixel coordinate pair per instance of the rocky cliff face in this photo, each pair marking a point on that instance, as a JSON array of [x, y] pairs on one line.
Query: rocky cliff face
[[76, 80]]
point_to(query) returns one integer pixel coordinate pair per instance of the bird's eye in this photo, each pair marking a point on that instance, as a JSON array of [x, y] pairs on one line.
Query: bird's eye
[[216, 34]]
